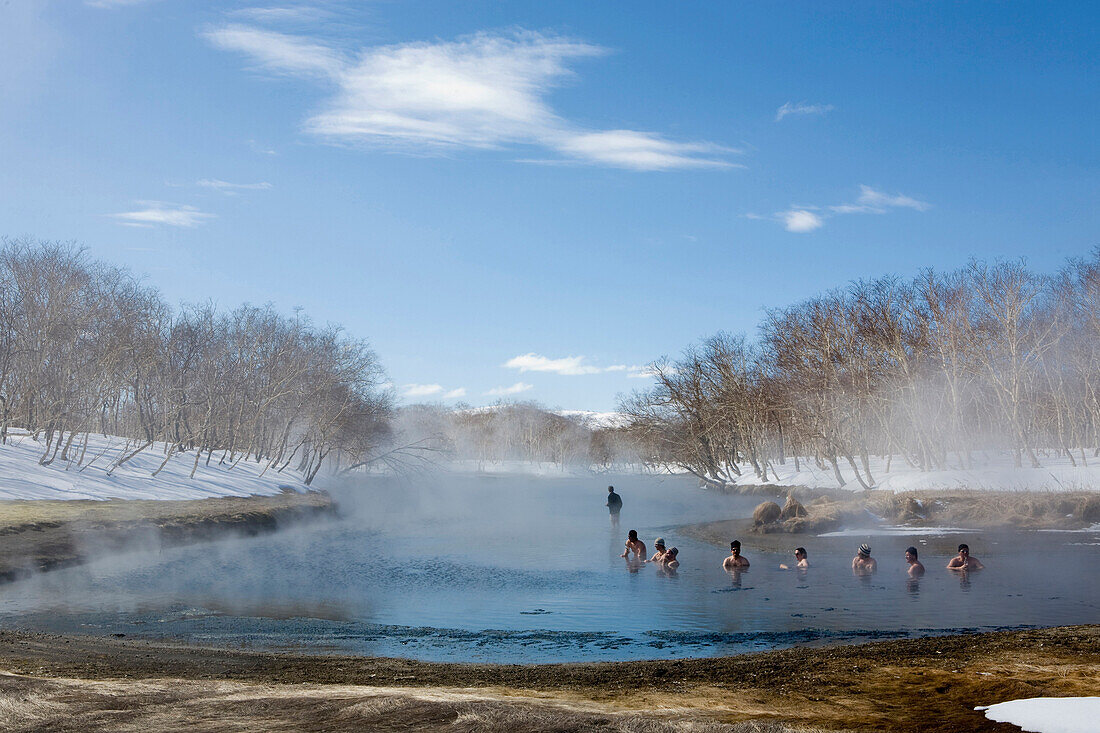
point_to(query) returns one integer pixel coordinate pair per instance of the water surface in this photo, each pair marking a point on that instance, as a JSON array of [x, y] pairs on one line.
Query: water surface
[[528, 569]]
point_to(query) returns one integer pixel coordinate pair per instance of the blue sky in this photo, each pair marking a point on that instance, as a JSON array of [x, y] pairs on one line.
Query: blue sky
[[537, 199]]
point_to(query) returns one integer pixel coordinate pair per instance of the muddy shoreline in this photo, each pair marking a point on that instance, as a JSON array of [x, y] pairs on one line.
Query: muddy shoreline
[[928, 684], [41, 535]]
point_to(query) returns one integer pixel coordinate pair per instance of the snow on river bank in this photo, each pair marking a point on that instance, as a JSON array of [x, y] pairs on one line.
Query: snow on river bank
[[21, 476], [1048, 714], [989, 472]]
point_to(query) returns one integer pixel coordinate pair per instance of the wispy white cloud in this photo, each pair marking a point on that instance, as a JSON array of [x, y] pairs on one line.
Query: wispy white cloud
[[261, 149], [231, 188], [568, 365], [482, 91], [455, 393], [280, 53], [643, 151], [114, 3], [800, 220], [881, 201], [153, 213], [296, 13], [420, 390], [505, 391], [804, 219], [802, 108], [647, 372]]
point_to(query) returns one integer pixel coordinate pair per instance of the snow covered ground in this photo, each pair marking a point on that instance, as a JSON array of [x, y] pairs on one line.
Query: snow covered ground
[[991, 472], [22, 478], [1049, 714]]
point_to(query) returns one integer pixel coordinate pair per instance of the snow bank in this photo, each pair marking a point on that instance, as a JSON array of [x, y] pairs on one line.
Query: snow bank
[[1048, 714], [990, 472], [22, 478]]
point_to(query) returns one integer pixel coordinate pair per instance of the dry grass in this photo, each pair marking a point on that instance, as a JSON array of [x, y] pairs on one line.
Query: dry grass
[[929, 684], [68, 705], [17, 516]]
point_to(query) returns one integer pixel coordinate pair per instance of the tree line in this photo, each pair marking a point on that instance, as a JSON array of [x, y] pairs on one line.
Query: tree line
[[934, 371], [86, 348], [507, 431]]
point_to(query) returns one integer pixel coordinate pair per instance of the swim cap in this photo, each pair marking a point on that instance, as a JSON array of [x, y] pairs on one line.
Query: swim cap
[[865, 549], [659, 542]]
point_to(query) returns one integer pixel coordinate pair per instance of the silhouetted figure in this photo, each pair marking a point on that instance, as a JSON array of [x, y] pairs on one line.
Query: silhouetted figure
[[614, 501]]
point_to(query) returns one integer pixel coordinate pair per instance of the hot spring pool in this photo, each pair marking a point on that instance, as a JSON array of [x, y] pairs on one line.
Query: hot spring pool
[[528, 570]]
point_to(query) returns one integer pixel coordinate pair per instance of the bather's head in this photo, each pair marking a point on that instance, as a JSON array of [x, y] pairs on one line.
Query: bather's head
[[632, 535], [911, 554], [735, 547], [800, 553], [864, 550]]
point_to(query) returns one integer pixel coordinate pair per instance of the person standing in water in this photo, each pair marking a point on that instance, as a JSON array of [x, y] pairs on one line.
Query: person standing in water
[[863, 563], [634, 545], [916, 568], [735, 561], [963, 561], [800, 560], [614, 501]]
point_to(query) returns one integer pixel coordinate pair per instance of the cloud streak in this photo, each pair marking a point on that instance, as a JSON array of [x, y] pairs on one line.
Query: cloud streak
[[570, 366], [805, 219], [505, 391], [802, 108], [231, 188], [155, 213], [485, 91], [420, 390]]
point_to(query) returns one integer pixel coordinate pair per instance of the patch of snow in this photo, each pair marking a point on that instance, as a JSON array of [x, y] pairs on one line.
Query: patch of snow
[[597, 420], [1093, 528], [24, 478], [895, 530], [988, 471], [1048, 714]]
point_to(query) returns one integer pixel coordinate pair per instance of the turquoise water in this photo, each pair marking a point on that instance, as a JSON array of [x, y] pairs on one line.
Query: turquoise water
[[526, 569]]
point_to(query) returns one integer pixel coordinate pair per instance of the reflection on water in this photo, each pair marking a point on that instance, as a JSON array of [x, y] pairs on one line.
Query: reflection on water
[[529, 570]]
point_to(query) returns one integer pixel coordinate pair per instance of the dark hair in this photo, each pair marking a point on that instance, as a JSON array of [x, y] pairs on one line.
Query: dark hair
[[673, 551], [964, 546], [911, 550], [632, 534], [800, 549], [735, 545], [610, 488]]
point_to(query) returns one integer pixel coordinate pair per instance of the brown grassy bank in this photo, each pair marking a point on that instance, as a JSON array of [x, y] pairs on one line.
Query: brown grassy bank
[[42, 535], [829, 509], [931, 684]]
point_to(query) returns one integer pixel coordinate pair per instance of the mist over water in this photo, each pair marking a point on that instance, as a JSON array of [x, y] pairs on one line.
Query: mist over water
[[521, 569]]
